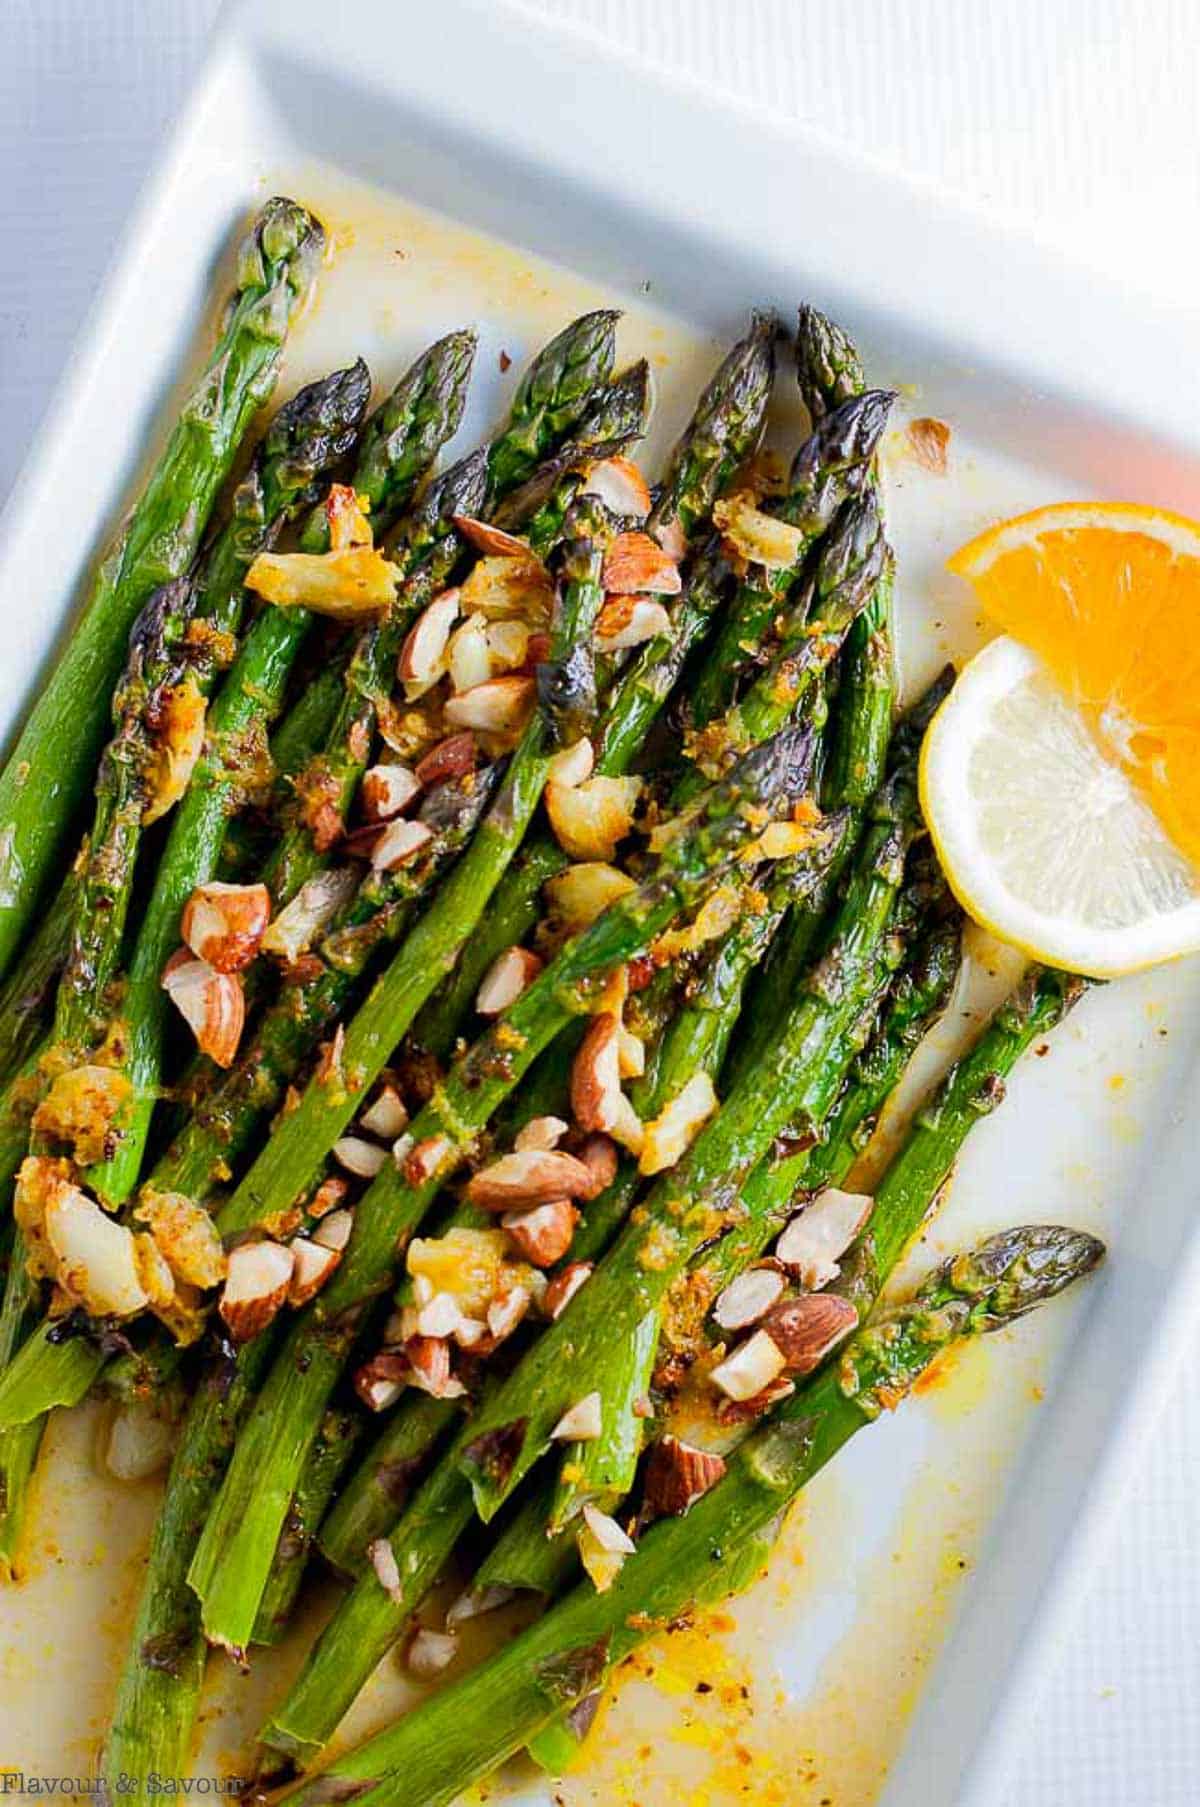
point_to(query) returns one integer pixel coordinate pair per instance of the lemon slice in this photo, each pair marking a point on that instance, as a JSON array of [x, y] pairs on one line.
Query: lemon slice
[[1043, 839]]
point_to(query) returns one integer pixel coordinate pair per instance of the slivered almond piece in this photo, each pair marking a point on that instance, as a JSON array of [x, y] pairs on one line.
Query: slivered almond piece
[[333, 1232], [564, 1286], [815, 1238], [572, 765], [540, 1132], [627, 1127], [499, 706], [598, 1153], [503, 588], [631, 1055], [311, 911], [400, 843], [211, 1003], [423, 1159], [468, 656], [752, 1366], [505, 979], [225, 924], [630, 621], [596, 1074], [581, 1422], [620, 486], [677, 1475], [327, 1197], [526, 1177], [589, 819], [311, 1267], [583, 892], [669, 1135], [383, 1560], [543, 1233], [387, 790], [761, 538], [439, 1318], [491, 540], [429, 1361], [256, 1286], [607, 1531], [429, 1652], [451, 758], [386, 1116], [748, 1298], [358, 1156], [423, 655], [636, 563], [504, 1314], [380, 1382], [806, 1329], [508, 645]]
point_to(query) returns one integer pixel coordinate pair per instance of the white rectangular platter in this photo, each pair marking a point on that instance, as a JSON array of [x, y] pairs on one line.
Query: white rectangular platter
[[475, 167]]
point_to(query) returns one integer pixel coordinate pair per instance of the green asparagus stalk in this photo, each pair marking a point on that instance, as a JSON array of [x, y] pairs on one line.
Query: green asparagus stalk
[[27, 994], [552, 396], [829, 370], [333, 1448], [227, 1569], [831, 466], [159, 1686], [375, 1494], [461, 1733], [45, 780], [19, 1445]]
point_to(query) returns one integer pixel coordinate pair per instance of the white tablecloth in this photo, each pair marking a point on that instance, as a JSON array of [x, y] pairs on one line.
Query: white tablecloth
[[1073, 117]]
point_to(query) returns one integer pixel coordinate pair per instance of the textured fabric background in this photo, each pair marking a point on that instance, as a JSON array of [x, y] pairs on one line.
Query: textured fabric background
[[1075, 118]]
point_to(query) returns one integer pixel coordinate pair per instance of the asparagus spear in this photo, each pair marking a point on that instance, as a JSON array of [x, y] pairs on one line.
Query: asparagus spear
[[462, 1732], [332, 1449], [725, 428], [227, 1569], [373, 1497], [829, 370], [830, 466], [45, 779], [552, 396], [27, 993]]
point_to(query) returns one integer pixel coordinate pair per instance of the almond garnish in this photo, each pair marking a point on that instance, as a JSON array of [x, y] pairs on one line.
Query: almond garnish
[[505, 979], [399, 844], [930, 442], [572, 765], [211, 1003], [499, 706], [564, 1286], [543, 1233], [312, 1265], [762, 539], [333, 1232], [429, 1360], [669, 1135], [468, 656], [630, 621], [603, 1547], [620, 486], [451, 758], [598, 1153], [185, 1235], [386, 790], [423, 655], [540, 1132], [386, 1115], [752, 1366], [256, 1286], [485, 538], [807, 1328], [503, 588], [580, 1423], [383, 1560], [636, 563], [815, 1238], [591, 818], [748, 1298], [526, 1177], [429, 1652], [358, 1156], [677, 1475], [311, 911], [225, 924]]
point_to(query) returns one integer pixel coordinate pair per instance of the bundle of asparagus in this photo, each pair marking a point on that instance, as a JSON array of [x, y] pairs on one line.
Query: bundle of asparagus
[[546, 971]]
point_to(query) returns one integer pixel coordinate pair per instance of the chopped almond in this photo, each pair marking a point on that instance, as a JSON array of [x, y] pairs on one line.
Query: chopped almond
[[589, 819], [468, 657], [669, 1135], [346, 517], [423, 655], [429, 1362], [211, 1003], [505, 1313], [672, 538], [603, 1547], [528, 1177], [505, 979], [620, 486], [399, 844], [636, 563], [815, 1238], [564, 1286], [312, 1265], [383, 1560], [540, 1132], [748, 1297], [807, 1328], [930, 442], [256, 1286], [507, 645], [386, 790], [499, 706], [483, 537], [583, 892], [544, 1233], [95, 1258], [752, 1366], [580, 1423], [386, 1116], [572, 765], [225, 924], [763, 539], [630, 621], [596, 1073], [598, 1153], [429, 1652], [677, 1475], [361, 1158], [452, 758], [631, 1056], [351, 585], [333, 1232], [423, 1159], [380, 1381], [327, 1197]]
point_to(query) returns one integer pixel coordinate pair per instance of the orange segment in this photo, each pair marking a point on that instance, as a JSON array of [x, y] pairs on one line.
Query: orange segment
[[1107, 595]]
